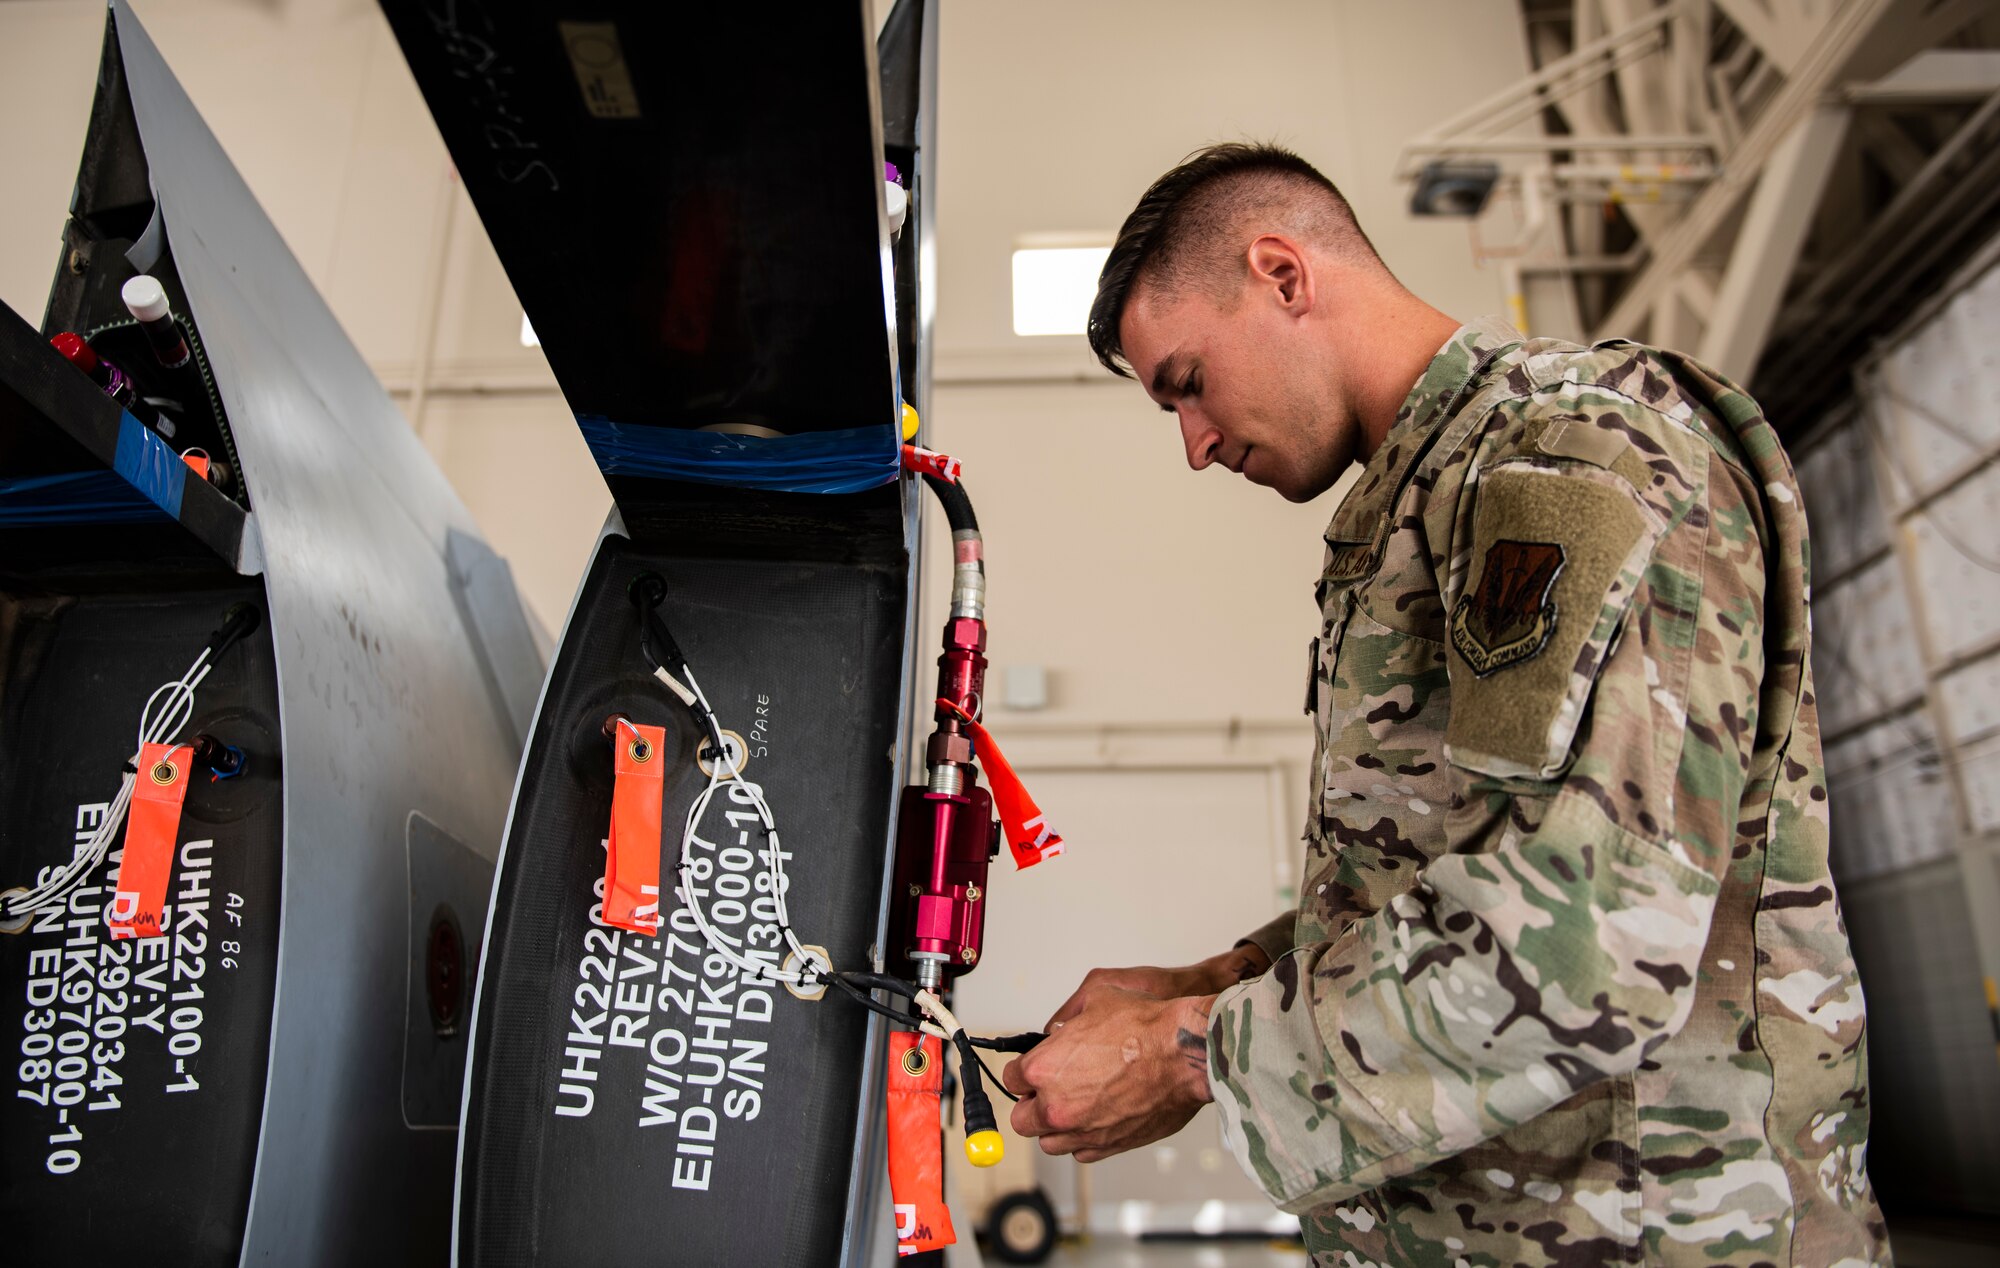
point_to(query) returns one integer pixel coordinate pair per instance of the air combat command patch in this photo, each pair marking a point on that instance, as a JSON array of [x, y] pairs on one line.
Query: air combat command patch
[[1510, 616]]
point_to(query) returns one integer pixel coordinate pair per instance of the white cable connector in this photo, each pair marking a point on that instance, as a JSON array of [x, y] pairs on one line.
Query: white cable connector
[[728, 770], [935, 1007], [674, 685]]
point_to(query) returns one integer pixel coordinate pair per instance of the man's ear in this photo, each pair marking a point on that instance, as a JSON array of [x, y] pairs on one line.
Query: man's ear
[[1278, 262]]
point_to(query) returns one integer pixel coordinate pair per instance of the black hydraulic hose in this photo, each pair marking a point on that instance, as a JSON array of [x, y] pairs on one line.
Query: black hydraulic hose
[[968, 549], [957, 506]]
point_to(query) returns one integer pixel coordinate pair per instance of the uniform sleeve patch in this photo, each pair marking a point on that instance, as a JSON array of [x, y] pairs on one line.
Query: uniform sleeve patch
[[1509, 618], [1556, 557]]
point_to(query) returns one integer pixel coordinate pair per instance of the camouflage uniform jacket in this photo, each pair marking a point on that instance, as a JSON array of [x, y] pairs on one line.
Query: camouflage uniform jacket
[[1568, 981]]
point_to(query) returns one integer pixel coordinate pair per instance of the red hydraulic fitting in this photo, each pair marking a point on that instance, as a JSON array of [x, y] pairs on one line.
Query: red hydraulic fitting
[[947, 835]]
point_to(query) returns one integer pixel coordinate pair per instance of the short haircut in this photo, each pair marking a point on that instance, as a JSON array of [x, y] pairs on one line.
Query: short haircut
[[1181, 231]]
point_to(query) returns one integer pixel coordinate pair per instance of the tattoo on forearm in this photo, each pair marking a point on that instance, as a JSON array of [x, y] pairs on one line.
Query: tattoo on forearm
[[1244, 963], [1193, 1044], [1194, 1049]]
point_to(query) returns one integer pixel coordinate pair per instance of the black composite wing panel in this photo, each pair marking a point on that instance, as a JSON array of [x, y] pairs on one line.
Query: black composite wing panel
[[689, 203], [275, 1079], [687, 199]]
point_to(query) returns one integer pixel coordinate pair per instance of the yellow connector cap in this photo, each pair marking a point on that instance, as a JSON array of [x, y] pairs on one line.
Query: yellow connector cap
[[909, 421], [983, 1149]]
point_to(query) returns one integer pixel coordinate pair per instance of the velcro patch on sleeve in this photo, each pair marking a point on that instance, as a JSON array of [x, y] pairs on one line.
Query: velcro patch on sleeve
[[1556, 557], [1583, 440]]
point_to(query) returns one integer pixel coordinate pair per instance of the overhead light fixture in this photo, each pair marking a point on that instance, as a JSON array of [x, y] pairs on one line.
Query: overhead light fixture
[[1453, 188], [1054, 287]]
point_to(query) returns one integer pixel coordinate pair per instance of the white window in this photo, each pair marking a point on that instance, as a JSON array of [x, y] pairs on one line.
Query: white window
[[1053, 287]]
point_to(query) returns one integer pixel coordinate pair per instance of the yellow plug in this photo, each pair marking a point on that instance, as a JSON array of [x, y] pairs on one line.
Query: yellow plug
[[909, 421], [984, 1148]]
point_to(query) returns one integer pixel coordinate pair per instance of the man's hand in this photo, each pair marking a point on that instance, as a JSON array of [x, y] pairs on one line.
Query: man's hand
[[1210, 977], [1119, 1069]]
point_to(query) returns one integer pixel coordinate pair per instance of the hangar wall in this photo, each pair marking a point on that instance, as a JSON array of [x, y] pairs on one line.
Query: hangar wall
[[1903, 491]]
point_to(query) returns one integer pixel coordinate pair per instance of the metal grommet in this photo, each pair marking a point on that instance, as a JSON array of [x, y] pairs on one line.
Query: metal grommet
[[916, 1061], [793, 963], [640, 751], [705, 755], [165, 773], [19, 923]]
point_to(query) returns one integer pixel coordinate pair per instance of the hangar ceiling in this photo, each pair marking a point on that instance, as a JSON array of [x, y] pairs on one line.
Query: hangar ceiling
[[1772, 184]]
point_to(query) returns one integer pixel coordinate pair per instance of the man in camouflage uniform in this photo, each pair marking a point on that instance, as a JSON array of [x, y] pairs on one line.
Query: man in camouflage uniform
[[1568, 981]]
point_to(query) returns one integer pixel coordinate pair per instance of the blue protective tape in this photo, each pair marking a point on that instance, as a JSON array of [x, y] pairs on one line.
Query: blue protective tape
[[811, 462], [152, 468], [76, 497]]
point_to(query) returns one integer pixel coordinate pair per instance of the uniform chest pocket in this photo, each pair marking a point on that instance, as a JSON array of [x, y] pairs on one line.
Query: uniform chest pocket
[[1335, 604], [1388, 698]]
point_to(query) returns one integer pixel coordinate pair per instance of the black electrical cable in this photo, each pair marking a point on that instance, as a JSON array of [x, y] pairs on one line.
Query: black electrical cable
[[647, 592], [1009, 1043], [856, 983], [998, 1086], [957, 506], [239, 621], [880, 982], [979, 1114], [862, 998]]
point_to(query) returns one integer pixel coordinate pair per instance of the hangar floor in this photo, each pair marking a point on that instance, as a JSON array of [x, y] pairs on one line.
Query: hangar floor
[[1919, 1243], [1127, 1252]]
